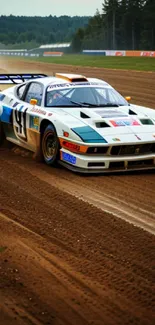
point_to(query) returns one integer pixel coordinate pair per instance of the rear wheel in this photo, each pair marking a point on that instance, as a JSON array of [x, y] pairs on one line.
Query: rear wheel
[[50, 145]]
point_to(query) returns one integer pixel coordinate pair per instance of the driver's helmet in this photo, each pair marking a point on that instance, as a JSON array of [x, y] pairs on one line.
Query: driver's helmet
[[53, 95]]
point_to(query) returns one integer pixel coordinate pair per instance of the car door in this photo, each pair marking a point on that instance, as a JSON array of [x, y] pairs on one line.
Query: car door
[[21, 111]]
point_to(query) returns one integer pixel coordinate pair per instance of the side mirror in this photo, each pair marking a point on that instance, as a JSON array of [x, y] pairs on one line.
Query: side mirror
[[128, 98], [33, 101]]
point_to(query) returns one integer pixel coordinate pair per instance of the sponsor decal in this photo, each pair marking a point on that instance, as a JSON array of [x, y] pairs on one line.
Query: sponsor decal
[[50, 114], [110, 113], [38, 110], [124, 122], [116, 139], [73, 84], [68, 158], [137, 137], [34, 122]]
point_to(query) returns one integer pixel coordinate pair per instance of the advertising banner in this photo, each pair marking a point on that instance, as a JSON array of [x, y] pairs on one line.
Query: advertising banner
[[115, 53], [53, 53]]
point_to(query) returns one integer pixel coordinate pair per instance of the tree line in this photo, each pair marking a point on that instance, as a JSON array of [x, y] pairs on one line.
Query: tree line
[[29, 31], [122, 25]]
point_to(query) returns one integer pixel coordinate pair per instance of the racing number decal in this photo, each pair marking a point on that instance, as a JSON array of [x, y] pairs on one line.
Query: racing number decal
[[20, 122]]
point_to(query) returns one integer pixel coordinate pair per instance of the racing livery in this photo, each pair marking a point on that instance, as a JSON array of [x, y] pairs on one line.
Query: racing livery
[[82, 123]]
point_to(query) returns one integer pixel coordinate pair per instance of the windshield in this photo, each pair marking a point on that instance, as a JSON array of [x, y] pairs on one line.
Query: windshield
[[84, 96]]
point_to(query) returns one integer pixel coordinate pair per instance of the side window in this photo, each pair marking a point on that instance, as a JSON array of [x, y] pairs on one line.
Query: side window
[[20, 91], [34, 91]]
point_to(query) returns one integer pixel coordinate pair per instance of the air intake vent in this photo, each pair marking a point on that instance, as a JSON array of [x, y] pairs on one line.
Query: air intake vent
[[83, 115], [102, 125], [116, 164], [97, 150], [141, 163], [146, 121], [135, 149], [96, 164], [132, 112]]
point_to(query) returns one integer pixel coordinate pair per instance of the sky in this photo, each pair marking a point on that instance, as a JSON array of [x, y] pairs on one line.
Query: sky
[[50, 7]]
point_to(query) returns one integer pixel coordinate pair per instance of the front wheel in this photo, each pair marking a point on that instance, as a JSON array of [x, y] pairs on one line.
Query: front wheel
[[50, 145]]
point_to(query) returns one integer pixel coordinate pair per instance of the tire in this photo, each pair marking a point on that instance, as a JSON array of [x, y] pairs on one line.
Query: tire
[[50, 146]]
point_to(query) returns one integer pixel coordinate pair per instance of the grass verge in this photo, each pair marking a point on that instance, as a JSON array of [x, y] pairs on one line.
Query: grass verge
[[125, 63]]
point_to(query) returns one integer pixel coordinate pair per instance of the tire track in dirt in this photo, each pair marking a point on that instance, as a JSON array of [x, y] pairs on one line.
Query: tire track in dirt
[[94, 244], [88, 274], [129, 197]]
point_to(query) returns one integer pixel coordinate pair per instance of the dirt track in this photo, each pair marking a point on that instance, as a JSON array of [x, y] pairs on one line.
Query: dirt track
[[66, 255]]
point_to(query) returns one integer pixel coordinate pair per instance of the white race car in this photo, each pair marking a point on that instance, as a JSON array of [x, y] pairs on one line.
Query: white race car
[[82, 123]]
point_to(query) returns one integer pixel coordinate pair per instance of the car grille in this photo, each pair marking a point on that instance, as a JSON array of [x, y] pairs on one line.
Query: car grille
[[132, 164], [137, 149]]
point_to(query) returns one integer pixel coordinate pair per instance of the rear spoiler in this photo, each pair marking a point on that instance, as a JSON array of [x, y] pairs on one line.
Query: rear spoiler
[[19, 77]]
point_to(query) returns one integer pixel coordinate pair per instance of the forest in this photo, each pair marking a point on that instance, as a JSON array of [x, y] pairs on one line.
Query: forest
[[122, 25], [30, 32]]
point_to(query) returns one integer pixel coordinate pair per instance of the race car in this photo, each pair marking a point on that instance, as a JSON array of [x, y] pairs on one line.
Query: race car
[[82, 123]]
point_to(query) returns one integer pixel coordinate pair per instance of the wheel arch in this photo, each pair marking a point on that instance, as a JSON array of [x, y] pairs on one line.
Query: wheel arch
[[43, 125]]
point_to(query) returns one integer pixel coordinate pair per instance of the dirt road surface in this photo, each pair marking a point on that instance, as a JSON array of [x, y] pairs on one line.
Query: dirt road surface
[[76, 250]]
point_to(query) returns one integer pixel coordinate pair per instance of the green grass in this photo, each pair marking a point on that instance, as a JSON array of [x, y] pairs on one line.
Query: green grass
[[129, 63], [126, 63]]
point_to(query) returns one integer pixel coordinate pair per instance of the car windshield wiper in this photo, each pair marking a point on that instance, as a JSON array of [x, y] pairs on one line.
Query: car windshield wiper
[[109, 105], [62, 106], [85, 104], [77, 103], [89, 104]]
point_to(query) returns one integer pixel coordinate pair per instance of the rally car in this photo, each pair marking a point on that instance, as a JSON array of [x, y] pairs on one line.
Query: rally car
[[82, 123]]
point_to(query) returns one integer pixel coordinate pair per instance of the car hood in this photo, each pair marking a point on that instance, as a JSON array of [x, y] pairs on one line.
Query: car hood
[[125, 123]]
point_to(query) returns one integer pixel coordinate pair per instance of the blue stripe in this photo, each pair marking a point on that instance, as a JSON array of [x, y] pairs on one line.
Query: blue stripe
[[2, 96], [21, 108], [87, 134], [6, 114]]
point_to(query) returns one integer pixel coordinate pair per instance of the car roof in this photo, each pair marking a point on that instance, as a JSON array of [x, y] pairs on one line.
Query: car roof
[[47, 81]]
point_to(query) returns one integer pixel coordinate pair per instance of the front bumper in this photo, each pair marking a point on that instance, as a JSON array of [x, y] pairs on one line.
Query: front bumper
[[105, 164]]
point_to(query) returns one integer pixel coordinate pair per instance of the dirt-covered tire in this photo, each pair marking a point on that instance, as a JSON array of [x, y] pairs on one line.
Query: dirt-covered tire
[[50, 146], [2, 135]]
